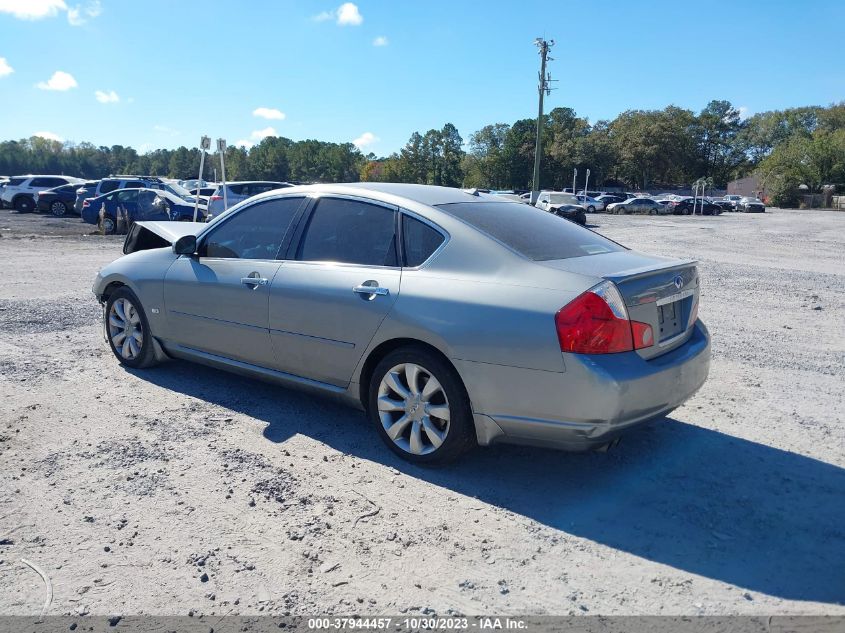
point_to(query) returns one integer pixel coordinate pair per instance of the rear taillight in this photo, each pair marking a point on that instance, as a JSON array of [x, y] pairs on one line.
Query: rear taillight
[[215, 198], [86, 203], [597, 322]]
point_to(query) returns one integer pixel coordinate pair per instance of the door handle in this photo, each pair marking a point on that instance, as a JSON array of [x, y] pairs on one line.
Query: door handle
[[371, 290], [254, 281]]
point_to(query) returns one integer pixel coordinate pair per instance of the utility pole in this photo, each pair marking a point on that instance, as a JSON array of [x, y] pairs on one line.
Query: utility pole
[[542, 89]]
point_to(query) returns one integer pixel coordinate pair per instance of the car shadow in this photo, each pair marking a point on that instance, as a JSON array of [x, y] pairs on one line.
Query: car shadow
[[701, 501]]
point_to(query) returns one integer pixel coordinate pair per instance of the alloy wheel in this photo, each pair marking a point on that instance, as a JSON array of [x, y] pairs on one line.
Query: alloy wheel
[[125, 329], [58, 209], [413, 409]]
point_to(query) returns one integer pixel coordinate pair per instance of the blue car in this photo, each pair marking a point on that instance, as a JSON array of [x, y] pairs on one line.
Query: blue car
[[133, 205]]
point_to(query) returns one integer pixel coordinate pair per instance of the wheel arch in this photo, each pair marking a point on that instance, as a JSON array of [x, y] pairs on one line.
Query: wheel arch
[[386, 347]]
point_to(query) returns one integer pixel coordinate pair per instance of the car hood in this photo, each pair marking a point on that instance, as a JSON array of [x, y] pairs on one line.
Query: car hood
[[172, 231]]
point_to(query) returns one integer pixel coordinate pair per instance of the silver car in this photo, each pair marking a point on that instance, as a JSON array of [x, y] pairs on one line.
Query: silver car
[[451, 318]]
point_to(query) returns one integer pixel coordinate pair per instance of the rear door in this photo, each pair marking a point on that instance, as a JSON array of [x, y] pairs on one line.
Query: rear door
[[329, 298], [217, 300]]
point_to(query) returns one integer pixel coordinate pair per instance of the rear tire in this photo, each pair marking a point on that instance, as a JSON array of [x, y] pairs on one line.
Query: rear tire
[[591, 209], [58, 209], [24, 204], [107, 226], [420, 407]]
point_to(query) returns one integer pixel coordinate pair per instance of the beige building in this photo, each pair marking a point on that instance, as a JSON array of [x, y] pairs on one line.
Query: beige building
[[749, 186]]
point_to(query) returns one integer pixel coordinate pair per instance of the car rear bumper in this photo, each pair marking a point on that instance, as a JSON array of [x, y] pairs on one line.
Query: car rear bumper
[[592, 402]]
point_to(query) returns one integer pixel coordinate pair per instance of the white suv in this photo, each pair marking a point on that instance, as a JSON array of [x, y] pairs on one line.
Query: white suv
[[19, 192]]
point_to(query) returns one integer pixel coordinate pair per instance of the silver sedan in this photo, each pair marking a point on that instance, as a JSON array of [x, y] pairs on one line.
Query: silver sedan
[[452, 318]]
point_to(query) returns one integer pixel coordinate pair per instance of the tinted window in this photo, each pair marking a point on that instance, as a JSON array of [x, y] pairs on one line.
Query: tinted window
[[256, 232], [40, 182], [133, 184], [533, 233], [419, 240], [15, 182], [108, 185], [239, 190], [351, 232], [260, 187], [127, 196]]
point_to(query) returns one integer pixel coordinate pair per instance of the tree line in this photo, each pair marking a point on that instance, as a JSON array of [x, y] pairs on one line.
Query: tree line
[[639, 149]]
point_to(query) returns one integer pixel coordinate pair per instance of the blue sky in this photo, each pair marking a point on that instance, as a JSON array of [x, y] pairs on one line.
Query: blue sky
[[168, 71]]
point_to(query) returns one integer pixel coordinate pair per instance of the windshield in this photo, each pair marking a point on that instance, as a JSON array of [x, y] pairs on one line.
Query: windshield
[[177, 190], [531, 232]]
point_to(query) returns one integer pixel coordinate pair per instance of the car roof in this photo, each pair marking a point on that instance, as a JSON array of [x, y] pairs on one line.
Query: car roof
[[429, 195]]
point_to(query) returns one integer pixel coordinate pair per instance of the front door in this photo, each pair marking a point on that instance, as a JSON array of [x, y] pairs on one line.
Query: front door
[[217, 300], [327, 302]]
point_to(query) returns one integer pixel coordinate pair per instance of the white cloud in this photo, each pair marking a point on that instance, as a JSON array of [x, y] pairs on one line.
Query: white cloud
[[50, 136], [257, 135], [381, 40], [38, 9], [106, 97], [268, 113], [5, 69], [32, 9], [346, 14], [367, 138], [59, 81], [244, 143], [79, 15], [744, 112]]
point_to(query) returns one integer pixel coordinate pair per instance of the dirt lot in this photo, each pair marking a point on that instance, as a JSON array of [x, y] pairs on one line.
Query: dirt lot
[[185, 489]]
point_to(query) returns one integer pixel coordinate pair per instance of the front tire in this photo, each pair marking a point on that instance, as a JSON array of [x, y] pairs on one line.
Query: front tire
[[128, 331], [58, 209], [420, 406], [591, 209]]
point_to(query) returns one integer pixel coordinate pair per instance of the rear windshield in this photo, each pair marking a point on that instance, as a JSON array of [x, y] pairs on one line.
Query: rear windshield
[[532, 233]]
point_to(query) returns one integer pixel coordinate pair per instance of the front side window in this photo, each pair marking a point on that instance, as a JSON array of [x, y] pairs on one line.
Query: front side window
[[133, 184], [419, 241], [350, 232], [256, 232]]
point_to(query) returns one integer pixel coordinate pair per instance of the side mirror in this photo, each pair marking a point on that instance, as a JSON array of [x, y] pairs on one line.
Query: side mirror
[[185, 245]]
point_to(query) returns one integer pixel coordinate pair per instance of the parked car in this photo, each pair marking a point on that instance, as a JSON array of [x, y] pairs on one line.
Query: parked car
[[686, 206], [549, 200], [19, 192], [734, 199], [483, 293], [638, 205], [60, 200], [203, 192], [572, 212], [590, 204], [238, 191], [751, 205], [610, 198], [114, 183], [724, 205], [137, 204]]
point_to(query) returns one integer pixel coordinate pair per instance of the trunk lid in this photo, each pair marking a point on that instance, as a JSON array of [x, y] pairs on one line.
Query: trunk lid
[[660, 291]]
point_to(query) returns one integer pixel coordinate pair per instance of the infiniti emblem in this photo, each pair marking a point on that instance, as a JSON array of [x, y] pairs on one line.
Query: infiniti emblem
[[679, 282]]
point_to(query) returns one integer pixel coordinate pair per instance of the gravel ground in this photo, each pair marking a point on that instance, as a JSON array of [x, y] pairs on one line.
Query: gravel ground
[[184, 489]]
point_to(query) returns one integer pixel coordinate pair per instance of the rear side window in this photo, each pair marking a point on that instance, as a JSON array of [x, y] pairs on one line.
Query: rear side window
[[15, 182], [108, 185], [260, 187], [46, 182], [133, 184], [419, 241], [256, 232], [350, 232], [531, 232], [238, 190]]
